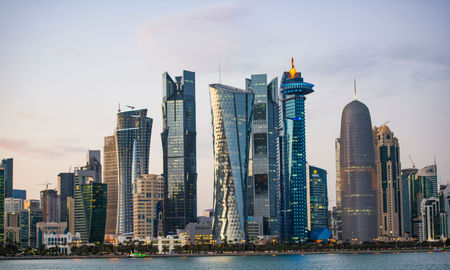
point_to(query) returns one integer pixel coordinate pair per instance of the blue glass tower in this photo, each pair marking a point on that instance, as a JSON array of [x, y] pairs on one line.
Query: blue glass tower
[[318, 197], [133, 133], [293, 203], [179, 150], [231, 110]]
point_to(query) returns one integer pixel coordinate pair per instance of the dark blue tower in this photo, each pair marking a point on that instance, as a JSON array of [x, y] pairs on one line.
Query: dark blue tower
[[293, 205]]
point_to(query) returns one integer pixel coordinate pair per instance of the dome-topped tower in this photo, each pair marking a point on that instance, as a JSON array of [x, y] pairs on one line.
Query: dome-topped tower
[[358, 174]]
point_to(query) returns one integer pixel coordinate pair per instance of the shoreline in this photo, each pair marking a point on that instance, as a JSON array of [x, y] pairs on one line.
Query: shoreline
[[242, 254]]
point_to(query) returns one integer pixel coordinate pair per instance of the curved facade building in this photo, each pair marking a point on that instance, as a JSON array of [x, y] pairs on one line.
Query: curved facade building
[[231, 110], [133, 133], [293, 202], [358, 174]]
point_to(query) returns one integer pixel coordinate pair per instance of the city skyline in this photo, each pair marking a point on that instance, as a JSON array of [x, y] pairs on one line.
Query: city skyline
[[44, 143]]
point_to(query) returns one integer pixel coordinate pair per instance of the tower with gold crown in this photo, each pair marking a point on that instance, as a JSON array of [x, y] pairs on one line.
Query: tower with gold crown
[[293, 192]]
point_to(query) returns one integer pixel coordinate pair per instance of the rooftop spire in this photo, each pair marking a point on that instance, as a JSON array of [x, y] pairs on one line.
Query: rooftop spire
[[292, 71], [354, 88]]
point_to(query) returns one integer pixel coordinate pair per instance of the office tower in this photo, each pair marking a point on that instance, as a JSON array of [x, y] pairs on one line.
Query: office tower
[[422, 185], [407, 177], [389, 189], [94, 164], [90, 202], [263, 168], [429, 176], [28, 220], [110, 178], [13, 205], [20, 194], [337, 212], [231, 110], [65, 189], [358, 174], [431, 227], [179, 142], [150, 193], [444, 201], [12, 227], [318, 197], [31, 203], [7, 165], [293, 205], [71, 215], [133, 148], [2, 203], [50, 205]]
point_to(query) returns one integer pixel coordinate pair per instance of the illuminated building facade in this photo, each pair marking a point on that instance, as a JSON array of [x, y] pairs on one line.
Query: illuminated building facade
[[358, 175], [389, 189], [293, 190], [318, 197], [263, 168], [231, 110], [133, 148], [179, 141]]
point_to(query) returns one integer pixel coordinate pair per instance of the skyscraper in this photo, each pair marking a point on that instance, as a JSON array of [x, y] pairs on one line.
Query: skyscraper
[[133, 148], [179, 142], [429, 176], [231, 110], [7, 164], [20, 194], [50, 205], [293, 205], [2, 204], [407, 177], [337, 212], [389, 189], [110, 178], [263, 168], [65, 189], [318, 197], [147, 215], [358, 174], [90, 201]]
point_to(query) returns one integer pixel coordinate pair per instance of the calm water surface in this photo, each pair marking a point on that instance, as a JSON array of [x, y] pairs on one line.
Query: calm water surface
[[408, 261]]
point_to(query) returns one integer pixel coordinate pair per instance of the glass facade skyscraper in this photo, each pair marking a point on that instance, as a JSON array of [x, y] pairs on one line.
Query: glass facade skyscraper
[[318, 197], [293, 205], [358, 174], [179, 142], [7, 164], [2, 204], [90, 203], [65, 189], [406, 178], [231, 110], [263, 168], [133, 148]]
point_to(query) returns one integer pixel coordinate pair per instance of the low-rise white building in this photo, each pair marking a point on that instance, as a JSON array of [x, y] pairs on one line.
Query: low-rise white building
[[61, 241]]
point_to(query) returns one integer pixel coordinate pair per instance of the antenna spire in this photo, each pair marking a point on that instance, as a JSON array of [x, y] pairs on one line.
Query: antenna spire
[[354, 88], [119, 106]]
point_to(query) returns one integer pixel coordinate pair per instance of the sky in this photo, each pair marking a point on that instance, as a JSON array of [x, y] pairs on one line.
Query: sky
[[66, 65]]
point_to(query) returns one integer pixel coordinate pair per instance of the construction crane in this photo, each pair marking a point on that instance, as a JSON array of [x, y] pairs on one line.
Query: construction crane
[[384, 123], [46, 184], [410, 159], [131, 107]]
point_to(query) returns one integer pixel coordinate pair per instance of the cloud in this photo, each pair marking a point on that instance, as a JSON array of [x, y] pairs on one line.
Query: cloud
[[25, 146]]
